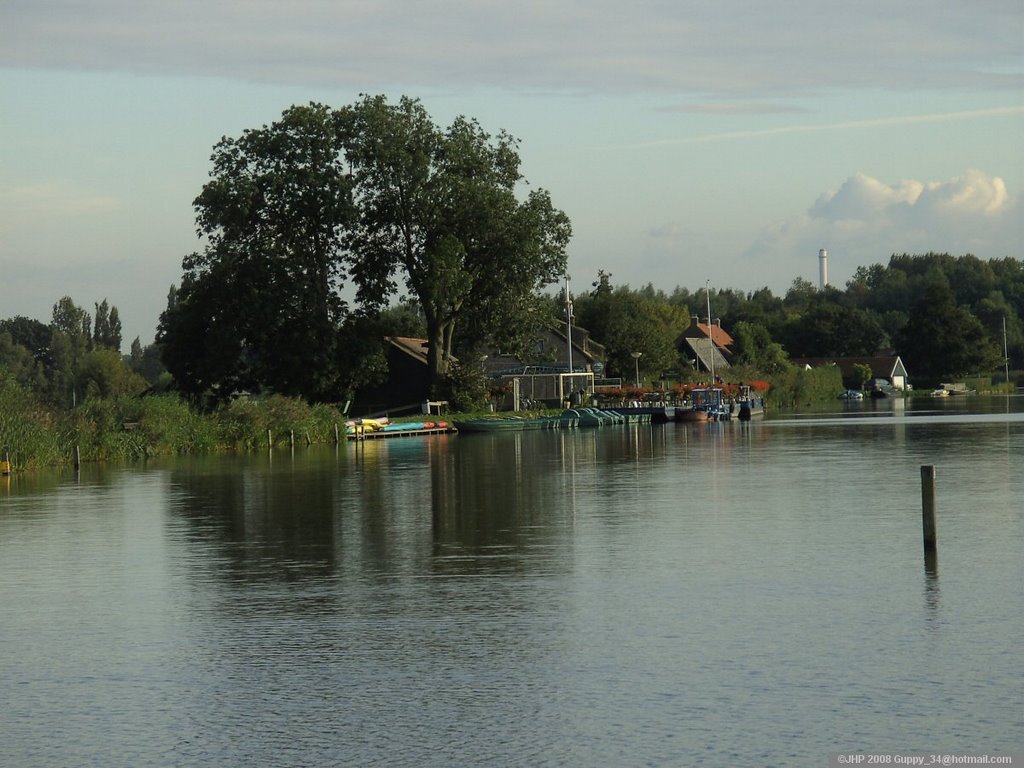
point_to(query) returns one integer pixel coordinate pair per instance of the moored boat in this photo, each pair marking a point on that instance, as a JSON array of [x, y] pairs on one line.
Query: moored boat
[[748, 404], [706, 404], [515, 423]]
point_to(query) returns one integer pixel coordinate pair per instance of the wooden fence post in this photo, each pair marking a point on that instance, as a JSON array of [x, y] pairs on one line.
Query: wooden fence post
[[928, 508]]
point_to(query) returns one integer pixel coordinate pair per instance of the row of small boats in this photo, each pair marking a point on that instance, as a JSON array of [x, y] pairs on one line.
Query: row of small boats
[[706, 405], [384, 427], [571, 418]]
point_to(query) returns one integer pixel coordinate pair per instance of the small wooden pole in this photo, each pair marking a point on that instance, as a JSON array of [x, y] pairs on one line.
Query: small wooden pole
[[78, 457], [336, 440], [270, 440], [291, 439], [308, 440], [928, 508]]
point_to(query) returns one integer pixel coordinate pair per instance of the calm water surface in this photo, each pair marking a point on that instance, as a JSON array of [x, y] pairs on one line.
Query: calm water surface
[[631, 596]]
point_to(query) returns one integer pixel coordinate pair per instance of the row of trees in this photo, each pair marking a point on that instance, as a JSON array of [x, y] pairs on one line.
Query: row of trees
[[76, 355], [377, 197], [944, 315]]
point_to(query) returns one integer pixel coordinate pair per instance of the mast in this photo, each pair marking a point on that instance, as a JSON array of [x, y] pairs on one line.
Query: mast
[[707, 290], [568, 321]]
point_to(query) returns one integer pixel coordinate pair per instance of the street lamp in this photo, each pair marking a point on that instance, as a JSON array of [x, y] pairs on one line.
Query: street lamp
[[636, 361]]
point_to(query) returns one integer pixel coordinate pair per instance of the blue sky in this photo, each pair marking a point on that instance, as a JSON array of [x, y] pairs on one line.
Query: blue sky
[[687, 141]]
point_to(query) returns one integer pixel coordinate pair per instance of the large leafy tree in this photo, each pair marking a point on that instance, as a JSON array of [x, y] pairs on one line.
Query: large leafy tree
[[753, 346], [70, 339], [437, 208], [260, 306], [375, 192]]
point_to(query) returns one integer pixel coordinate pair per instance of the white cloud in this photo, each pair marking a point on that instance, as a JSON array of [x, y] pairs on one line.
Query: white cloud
[[966, 197], [862, 198], [866, 220], [972, 195]]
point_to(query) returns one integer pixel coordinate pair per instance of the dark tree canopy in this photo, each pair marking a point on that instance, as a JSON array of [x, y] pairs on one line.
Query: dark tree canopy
[[260, 306], [943, 339], [373, 192], [629, 322], [438, 207]]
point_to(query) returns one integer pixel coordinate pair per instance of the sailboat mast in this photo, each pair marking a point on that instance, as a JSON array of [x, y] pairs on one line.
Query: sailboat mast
[[707, 290]]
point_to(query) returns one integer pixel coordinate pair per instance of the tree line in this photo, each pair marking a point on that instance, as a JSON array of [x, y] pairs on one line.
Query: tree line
[[944, 315], [377, 198], [77, 355]]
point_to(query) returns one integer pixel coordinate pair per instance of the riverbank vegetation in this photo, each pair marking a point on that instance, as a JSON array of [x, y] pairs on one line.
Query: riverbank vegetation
[[64, 385], [437, 233], [128, 428]]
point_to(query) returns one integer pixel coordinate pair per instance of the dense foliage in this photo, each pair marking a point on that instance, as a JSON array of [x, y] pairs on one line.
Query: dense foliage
[[75, 356], [125, 428], [64, 384], [373, 192], [944, 315], [259, 307]]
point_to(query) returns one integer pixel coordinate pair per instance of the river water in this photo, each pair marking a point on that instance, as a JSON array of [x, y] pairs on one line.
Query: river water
[[725, 594]]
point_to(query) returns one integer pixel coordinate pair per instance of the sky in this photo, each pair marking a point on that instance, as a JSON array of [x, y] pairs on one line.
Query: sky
[[688, 142]]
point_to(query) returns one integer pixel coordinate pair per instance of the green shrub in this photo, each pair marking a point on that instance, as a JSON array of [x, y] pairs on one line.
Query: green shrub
[[801, 386], [29, 433]]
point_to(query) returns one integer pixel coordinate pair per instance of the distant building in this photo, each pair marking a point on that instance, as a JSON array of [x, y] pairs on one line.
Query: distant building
[[551, 353], [888, 367], [407, 386], [705, 345]]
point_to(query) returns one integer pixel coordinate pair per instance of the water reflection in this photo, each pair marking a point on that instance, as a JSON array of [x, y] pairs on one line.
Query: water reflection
[[264, 521], [606, 596], [931, 581]]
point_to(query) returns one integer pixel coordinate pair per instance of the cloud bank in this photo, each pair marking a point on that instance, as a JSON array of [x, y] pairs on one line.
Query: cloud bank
[[866, 220]]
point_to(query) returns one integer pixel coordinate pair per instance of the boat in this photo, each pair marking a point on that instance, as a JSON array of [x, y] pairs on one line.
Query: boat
[[516, 423], [596, 417], [748, 404], [366, 428], [851, 394], [706, 404], [881, 388]]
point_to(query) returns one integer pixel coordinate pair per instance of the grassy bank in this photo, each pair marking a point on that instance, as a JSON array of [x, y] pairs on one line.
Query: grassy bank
[[130, 428]]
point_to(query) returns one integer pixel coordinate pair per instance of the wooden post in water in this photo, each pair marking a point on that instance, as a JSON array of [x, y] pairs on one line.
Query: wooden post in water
[[270, 440], [309, 440], [336, 441], [77, 457], [291, 439], [928, 508]]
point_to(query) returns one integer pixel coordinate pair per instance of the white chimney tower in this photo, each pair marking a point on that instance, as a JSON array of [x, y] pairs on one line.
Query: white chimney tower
[[822, 269]]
